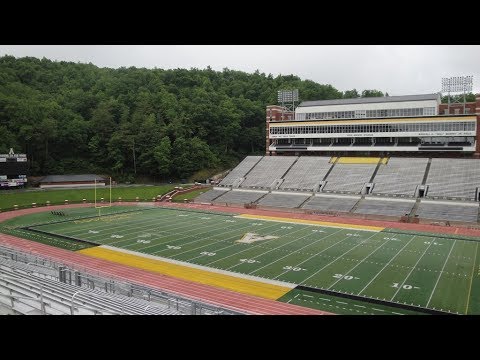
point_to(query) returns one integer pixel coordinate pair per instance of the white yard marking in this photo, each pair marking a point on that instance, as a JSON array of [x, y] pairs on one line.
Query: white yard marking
[[331, 262], [440, 274], [413, 268], [378, 309], [314, 242], [378, 273], [349, 271]]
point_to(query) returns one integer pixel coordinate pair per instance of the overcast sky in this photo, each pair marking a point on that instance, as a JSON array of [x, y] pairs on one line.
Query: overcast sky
[[398, 70]]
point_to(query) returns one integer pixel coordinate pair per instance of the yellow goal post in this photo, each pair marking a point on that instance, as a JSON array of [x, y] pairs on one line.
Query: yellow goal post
[[109, 204]]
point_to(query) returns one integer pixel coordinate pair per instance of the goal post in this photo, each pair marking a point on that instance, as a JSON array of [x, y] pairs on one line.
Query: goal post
[[102, 204]]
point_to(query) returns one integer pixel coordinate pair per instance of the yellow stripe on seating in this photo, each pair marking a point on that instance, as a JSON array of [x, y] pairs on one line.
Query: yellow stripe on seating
[[332, 159], [358, 160], [238, 284], [312, 222], [385, 160]]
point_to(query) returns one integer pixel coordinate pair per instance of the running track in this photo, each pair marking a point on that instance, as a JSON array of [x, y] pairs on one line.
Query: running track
[[215, 296], [224, 298]]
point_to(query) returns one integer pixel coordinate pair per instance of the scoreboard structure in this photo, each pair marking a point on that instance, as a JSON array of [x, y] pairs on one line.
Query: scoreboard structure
[[13, 170]]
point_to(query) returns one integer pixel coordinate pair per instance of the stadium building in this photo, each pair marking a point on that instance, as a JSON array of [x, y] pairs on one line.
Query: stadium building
[[410, 125]]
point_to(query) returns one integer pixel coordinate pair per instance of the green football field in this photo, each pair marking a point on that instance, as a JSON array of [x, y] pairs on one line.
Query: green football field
[[419, 270]]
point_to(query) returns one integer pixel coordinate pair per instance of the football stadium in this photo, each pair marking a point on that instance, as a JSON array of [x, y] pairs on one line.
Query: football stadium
[[364, 206]]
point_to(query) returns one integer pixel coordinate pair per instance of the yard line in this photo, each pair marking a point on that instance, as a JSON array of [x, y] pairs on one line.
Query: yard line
[[331, 262], [168, 232], [106, 225], [360, 306], [340, 302], [396, 313], [310, 296], [441, 271], [252, 247], [471, 279], [378, 273], [299, 250], [378, 309], [413, 268], [349, 271], [223, 239]]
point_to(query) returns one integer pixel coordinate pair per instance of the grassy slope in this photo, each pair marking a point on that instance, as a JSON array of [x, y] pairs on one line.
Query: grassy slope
[[7, 200]]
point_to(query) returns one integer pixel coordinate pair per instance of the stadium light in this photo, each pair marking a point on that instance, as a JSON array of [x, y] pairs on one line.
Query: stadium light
[[457, 84]]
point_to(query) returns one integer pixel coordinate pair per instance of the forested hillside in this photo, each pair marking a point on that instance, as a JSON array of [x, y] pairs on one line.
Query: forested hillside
[[79, 118]]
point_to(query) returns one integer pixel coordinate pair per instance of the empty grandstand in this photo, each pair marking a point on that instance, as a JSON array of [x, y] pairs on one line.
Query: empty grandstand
[[268, 172], [448, 211], [277, 199], [240, 170], [378, 180], [385, 207], [239, 196], [333, 203], [307, 173], [454, 178], [400, 176], [33, 285], [349, 177]]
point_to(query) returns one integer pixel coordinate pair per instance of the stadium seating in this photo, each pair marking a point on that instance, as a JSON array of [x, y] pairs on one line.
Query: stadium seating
[[437, 210], [395, 178], [240, 197], [306, 173], [240, 170], [453, 178], [269, 169], [331, 203], [210, 195], [349, 177], [400, 176], [283, 200], [26, 285], [388, 207]]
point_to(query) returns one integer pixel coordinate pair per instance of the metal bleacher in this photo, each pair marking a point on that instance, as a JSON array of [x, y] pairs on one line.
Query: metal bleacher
[[240, 196], [384, 207], [333, 185], [276, 199], [31, 284], [331, 203], [400, 176], [306, 173], [26, 291], [269, 169], [450, 211], [240, 170], [349, 177], [453, 178], [210, 195]]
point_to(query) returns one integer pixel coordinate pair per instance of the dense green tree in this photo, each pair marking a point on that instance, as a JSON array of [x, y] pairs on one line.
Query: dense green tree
[[351, 94], [372, 93], [73, 118]]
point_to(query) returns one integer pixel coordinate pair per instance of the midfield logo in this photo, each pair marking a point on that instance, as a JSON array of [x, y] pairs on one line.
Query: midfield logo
[[249, 238]]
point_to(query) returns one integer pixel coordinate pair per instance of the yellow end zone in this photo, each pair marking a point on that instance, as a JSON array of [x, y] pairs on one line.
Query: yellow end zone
[[311, 222], [238, 284]]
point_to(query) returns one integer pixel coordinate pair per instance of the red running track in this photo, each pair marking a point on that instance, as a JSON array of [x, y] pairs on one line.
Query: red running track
[[223, 298]]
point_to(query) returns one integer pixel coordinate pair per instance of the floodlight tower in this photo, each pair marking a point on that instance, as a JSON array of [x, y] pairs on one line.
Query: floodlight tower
[[287, 99], [459, 85]]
